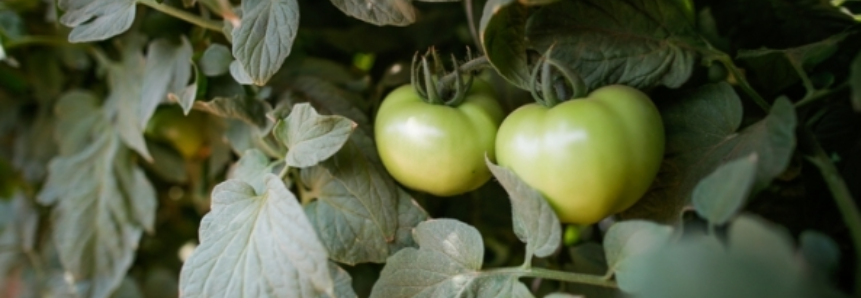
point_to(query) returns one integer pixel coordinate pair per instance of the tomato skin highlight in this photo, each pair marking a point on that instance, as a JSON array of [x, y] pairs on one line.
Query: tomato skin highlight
[[438, 149], [590, 157]]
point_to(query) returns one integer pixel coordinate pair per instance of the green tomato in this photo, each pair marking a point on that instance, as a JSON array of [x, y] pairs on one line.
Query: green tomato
[[590, 157], [183, 132], [438, 149]]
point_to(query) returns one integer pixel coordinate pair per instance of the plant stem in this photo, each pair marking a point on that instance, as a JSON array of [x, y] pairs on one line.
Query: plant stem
[[470, 17], [36, 40], [742, 81], [580, 278], [821, 94], [183, 15], [841, 194]]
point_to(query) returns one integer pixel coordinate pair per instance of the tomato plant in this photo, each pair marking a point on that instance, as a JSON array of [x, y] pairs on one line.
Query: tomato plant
[[438, 149], [597, 148], [592, 157]]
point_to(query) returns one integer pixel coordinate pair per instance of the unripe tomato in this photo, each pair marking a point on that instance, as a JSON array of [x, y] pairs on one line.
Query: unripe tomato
[[590, 157], [438, 149], [184, 132]]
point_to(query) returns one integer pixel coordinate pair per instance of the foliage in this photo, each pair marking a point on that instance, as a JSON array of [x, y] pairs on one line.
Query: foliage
[[226, 148]]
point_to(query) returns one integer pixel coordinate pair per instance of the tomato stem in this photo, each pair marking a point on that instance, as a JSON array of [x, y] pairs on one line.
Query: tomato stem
[[183, 15], [573, 277]]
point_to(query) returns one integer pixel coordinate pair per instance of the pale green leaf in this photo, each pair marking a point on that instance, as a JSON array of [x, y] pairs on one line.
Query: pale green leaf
[[239, 74], [343, 283], [720, 195], [187, 95], [96, 20], [124, 100], [626, 242], [410, 214], [216, 60], [251, 168], [97, 218], [535, 222], [447, 264], [19, 219], [256, 245], [265, 36], [167, 70], [311, 138], [247, 109]]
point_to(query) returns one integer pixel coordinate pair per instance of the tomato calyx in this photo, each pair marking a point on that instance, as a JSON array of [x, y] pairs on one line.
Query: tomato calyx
[[551, 82], [435, 86]]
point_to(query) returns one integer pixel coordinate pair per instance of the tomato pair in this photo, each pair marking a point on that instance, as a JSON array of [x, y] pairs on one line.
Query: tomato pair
[[590, 157]]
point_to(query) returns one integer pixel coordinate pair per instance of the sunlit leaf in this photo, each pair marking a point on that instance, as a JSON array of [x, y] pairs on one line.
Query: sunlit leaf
[[256, 245], [447, 264], [265, 36], [95, 20], [97, 218], [310, 137], [167, 70], [535, 222]]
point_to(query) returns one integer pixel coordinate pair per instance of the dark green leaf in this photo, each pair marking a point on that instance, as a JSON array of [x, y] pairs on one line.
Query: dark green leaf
[[265, 36], [381, 13], [701, 135], [97, 218], [820, 252], [216, 60], [447, 264], [35, 146], [855, 82], [503, 27], [721, 194], [46, 76], [625, 244], [775, 70], [264, 235], [168, 69], [355, 213], [95, 20], [310, 137], [128, 289], [247, 109], [167, 163], [535, 222], [640, 43]]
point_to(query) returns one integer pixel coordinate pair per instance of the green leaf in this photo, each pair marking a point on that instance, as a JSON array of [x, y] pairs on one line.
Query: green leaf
[[503, 27], [96, 20], [216, 60], [447, 264], [239, 74], [820, 252], [263, 235], [626, 242], [380, 13], [721, 194], [128, 289], [775, 70], [124, 100], [330, 99], [343, 282], [265, 36], [701, 135], [855, 82], [251, 168], [311, 138], [410, 214], [247, 109], [355, 213], [97, 218], [188, 94], [19, 219], [12, 24], [167, 70], [535, 222], [34, 146], [632, 42]]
